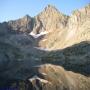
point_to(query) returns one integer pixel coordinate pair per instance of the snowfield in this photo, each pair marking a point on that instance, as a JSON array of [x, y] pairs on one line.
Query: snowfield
[[38, 35]]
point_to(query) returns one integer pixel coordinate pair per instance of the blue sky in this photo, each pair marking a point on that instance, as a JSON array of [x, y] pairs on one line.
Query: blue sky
[[14, 9]]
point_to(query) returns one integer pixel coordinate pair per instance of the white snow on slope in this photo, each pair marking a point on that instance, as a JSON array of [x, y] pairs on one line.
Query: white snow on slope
[[36, 77], [38, 35], [40, 48]]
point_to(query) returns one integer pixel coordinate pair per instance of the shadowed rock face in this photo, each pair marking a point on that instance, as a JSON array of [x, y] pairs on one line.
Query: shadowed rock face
[[50, 37], [74, 58], [22, 25]]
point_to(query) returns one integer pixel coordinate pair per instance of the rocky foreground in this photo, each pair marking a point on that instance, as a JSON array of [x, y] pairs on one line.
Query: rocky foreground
[[35, 50], [52, 77]]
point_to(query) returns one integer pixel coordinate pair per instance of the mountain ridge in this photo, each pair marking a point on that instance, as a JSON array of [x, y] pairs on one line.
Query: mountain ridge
[[51, 21]]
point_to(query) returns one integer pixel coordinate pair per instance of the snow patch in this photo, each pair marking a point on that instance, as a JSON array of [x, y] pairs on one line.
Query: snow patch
[[44, 74], [38, 35], [36, 77], [40, 48]]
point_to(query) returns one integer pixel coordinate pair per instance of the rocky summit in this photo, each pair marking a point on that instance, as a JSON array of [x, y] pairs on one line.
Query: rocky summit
[[50, 51]]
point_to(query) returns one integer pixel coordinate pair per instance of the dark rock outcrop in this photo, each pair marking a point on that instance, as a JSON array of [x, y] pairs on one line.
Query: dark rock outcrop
[[52, 77]]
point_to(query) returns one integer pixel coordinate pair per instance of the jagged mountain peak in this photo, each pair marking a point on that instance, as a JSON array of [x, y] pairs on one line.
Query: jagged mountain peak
[[51, 10], [50, 7], [23, 24], [82, 10], [87, 6], [26, 17], [49, 19]]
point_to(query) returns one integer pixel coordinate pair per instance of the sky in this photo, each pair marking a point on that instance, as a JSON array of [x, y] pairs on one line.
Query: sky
[[14, 9]]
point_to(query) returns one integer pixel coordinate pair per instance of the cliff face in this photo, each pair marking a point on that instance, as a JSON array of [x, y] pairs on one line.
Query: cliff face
[[22, 25], [50, 19], [78, 26], [77, 29]]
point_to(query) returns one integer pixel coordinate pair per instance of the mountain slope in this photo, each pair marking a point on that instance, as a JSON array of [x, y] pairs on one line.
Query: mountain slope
[[54, 30], [76, 30]]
